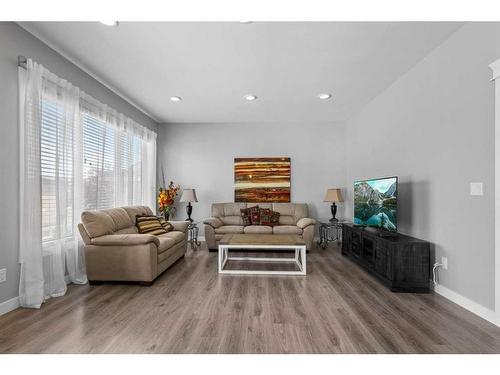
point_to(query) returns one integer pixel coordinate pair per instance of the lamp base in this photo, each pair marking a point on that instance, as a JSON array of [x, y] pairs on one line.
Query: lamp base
[[333, 209], [189, 211]]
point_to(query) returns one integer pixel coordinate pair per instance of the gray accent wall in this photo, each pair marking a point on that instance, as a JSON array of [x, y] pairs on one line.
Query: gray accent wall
[[434, 129], [201, 156], [16, 41]]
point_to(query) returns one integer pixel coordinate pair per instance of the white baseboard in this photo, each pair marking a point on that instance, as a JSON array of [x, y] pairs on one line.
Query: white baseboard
[[468, 304], [13, 303], [9, 305]]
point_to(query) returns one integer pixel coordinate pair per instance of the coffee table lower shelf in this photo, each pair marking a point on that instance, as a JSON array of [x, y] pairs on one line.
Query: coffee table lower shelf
[[299, 258]]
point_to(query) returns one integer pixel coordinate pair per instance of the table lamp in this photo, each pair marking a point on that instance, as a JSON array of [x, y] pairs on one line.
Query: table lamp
[[333, 195], [189, 195]]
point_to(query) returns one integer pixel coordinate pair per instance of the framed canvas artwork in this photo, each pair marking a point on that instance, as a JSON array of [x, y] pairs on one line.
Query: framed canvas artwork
[[262, 180]]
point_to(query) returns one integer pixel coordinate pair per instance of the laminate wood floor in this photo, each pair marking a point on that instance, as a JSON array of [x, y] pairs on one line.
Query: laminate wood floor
[[337, 308]]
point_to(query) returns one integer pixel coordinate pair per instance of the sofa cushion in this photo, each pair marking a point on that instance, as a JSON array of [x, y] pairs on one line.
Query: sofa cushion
[[305, 222], [275, 218], [229, 213], [149, 225], [85, 236], [166, 225], [97, 223], [287, 220], [133, 211], [214, 222], [120, 218], [265, 216], [290, 213], [125, 240], [232, 220], [175, 235], [258, 229], [226, 229], [287, 229], [269, 217], [245, 216], [129, 230], [227, 209], [166, 254], [254, 213], [180, 225], [166, 242]]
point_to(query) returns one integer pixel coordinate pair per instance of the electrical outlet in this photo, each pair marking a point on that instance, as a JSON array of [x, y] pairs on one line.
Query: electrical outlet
[[3, 275], [476, 188], [444, 262]]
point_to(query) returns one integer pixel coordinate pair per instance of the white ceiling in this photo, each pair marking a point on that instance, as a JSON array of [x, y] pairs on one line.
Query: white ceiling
[[212, 65]]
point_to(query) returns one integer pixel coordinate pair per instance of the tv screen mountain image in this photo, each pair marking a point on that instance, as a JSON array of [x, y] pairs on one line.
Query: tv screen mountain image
[[375, 203]]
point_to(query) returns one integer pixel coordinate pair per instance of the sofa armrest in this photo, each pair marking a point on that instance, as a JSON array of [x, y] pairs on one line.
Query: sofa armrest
[[180, 226], [305, 222], [214, 222], [124, 240]]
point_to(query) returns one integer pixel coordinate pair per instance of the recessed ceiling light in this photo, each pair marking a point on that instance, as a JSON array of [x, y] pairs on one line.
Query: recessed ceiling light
[[245, 21], [109, 23], [324, 96], [175, 98], [250, 97]]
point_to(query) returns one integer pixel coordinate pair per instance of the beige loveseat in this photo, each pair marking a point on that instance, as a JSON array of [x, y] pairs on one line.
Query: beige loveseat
[[226, 218], [115, 251]]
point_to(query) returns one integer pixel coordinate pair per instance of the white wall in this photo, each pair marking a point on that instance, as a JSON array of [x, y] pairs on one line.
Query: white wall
[[434, 128], [201, 156], [15, 41]]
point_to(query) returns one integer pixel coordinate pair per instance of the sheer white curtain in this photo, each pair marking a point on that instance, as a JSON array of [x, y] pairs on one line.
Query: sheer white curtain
[[47, 236], [76, 154], [119, 158]]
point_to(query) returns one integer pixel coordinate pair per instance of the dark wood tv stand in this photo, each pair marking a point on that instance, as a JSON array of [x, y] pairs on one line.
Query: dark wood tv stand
[[400, 262]]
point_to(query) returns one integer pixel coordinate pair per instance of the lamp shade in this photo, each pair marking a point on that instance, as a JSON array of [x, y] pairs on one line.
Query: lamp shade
[[189, 195], [333, 195]]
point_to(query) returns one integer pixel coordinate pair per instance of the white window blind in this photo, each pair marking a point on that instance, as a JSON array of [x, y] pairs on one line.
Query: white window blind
[[111, 168], [56, 166], [98, 164]]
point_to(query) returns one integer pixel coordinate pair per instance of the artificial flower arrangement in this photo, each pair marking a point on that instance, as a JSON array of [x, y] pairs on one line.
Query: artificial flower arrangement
[[166, 199]]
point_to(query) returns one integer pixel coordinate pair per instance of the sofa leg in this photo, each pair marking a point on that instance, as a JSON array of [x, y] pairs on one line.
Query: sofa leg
[[146, 283], [95, 282]]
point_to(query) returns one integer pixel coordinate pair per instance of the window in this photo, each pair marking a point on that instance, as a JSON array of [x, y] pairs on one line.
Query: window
[[76, 154], [111, 168], [56, 159]]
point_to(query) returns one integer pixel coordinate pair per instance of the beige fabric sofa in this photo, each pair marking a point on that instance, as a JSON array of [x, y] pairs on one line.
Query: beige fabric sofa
[[226, 218], [115, 251]]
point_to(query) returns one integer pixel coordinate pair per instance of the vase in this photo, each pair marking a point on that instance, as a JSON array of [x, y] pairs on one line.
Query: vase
[[166, 215]]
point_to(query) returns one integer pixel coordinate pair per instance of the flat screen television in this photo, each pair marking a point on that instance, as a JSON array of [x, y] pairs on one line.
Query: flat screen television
[[375, 203]]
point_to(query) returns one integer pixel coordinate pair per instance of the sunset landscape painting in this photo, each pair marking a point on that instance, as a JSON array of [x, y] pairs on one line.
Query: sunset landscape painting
[[262, 179]]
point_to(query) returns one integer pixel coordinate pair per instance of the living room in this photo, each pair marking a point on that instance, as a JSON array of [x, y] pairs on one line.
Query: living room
[[249, 187]]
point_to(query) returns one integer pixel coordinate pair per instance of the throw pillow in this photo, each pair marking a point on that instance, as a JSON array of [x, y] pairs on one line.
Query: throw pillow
[[265, 217], [149, 225], [245, 216], [166, 225], [254, 213], [275, 218]]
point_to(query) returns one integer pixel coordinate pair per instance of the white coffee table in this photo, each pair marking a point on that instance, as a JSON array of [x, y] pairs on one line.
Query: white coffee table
[[267, 242]]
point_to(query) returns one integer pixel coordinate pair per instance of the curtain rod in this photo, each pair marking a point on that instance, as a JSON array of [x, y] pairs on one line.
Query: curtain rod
[[22, 61]]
